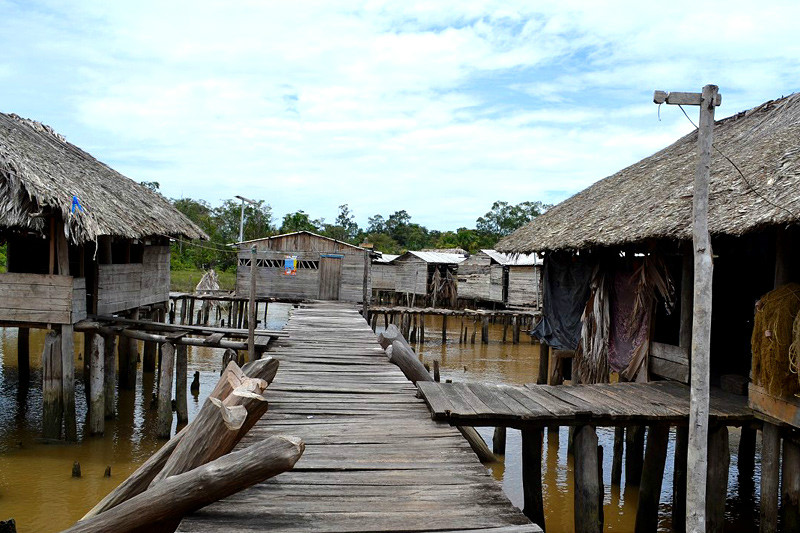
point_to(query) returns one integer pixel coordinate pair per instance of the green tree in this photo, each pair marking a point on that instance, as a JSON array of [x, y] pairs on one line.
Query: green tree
[[3, 259], [257, 220], [299, 221], [504, 218], [345, 227]]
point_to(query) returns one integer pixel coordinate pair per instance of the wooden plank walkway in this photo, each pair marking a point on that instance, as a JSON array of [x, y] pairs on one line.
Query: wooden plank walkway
[[479, 404], [374, 459]]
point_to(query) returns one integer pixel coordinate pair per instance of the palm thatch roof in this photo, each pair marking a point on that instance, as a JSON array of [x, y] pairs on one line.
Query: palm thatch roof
[[40, 173], [652, 199]]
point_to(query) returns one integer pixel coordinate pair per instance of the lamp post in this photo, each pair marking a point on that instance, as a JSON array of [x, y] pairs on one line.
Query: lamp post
[[241, 218]]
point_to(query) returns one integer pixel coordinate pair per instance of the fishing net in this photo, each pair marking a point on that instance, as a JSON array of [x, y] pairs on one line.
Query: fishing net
[[776, 334]]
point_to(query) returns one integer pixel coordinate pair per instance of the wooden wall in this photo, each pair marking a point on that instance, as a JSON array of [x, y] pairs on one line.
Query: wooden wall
[[474, 278], [42, 298], [412, 276], [128, 286], [523, 285], [384, 276]]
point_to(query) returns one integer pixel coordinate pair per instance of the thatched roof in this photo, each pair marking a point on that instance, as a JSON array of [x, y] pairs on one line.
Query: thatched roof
[[40, 173], [652, 199]]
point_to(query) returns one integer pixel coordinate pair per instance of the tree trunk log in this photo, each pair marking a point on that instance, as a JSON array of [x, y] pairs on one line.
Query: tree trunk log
[[588, 511]]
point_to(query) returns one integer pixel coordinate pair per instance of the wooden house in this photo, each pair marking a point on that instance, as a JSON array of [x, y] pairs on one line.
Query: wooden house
[[429, 275], [492, 276], [325, 268], [643, 214], [81, 239]]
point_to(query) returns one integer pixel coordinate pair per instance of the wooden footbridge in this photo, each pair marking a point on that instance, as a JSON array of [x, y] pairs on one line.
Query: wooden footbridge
[[374, 459]]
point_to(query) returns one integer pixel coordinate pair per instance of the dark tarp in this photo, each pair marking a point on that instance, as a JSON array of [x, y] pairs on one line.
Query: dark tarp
[[566, 291]]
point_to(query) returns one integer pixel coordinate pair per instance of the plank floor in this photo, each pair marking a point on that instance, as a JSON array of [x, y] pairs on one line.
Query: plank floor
[[480, 404], [374, 459]]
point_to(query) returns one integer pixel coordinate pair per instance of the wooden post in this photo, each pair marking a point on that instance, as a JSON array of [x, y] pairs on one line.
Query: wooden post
[[679, 479], [436, 370], [770, 477], [150, 349], [68, 382], [131, 356], [181, 375], [190, 314], [747, 461], [790, 486], [52, 398], [701, 324], [24, 355], [444, 330], [544, 363], [634, 448], [515, 326], [251, 321], [165, 391], [421, 333], [365, 292], [687, 294], [97, 404], [110, 371], [499, 440], [485, 330], [652, 474], [719, 459], [588, 511], [532, 475], [616, 462]]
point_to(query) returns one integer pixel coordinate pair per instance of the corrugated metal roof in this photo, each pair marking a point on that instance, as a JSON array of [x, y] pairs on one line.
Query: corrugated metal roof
[[262, 239], [386, 258], [514, 259], [438, 257]]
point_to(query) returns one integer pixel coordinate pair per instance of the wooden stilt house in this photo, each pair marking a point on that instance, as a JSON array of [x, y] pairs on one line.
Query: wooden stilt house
[[304, 265], [428, 277], [81, 239], [492, 276], [384, 275], [626, 242]]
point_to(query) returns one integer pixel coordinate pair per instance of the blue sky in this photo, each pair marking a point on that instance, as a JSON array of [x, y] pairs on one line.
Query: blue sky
[[438, 108]]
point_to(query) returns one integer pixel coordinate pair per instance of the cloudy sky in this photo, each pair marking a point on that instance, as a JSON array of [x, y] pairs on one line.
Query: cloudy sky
[[436, 107]]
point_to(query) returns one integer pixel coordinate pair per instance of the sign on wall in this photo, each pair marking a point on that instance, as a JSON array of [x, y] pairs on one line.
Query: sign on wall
[[290, 265]]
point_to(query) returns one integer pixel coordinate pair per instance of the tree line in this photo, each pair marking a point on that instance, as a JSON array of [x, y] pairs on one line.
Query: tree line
[[392, 234]]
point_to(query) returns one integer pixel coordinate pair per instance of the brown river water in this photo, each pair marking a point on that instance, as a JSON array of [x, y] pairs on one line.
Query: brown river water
[[36, 487]]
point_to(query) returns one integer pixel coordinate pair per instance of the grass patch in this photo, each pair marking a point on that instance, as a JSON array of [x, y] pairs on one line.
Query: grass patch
[[187, 280]]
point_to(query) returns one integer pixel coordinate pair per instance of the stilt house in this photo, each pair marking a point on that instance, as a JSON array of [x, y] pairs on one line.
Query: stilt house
[[428, 277], [384, 275], [304, 265], [621, 250], [492, 276], [81, 239]]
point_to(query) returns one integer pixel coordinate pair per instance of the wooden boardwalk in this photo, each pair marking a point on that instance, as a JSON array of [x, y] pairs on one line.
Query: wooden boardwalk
[[374, 459], [478, 404]]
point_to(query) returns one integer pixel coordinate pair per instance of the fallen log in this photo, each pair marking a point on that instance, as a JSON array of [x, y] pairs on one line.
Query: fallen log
[[404, 357], [392, 334], [181, 494]]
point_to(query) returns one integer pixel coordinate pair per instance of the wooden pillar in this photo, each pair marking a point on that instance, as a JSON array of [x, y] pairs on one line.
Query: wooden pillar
[[719, 459], [616, 462], [790, 486], [97, 404], [190, 314], [150, 349], [181, 375], [444, 330], [251, 321], [505, 328], [588, 496], [499, 440], [532, 475], [365, 292], [127, 378], [515, 332], [747, 461], [687, 295], [110, 371], [679, 479], [436, 376], [770, 477], [24, 355], [544, 363], [652, 475], [485, 330], [68, 382], [165, 391], [421, 333], [52, 397], [634, 449]]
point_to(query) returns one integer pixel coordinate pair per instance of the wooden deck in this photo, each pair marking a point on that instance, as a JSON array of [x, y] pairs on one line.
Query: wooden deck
[[374, 459], [478, 404]]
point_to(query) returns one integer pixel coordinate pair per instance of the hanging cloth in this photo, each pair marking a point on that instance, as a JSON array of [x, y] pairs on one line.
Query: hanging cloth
[[566, 290]]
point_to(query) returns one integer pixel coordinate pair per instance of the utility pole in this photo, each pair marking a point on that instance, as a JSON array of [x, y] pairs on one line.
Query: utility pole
[[241, 217], [697, 462]]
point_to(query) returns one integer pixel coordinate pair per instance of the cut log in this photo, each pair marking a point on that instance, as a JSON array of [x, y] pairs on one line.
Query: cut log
[[183, 493], [392, 334], [588, 511], [407, 360]]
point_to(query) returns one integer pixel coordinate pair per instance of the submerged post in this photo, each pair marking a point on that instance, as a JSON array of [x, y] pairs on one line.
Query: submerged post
[[701, 324]]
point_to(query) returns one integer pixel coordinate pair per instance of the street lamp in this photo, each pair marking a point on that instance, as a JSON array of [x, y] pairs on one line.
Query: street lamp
[[241, 218]]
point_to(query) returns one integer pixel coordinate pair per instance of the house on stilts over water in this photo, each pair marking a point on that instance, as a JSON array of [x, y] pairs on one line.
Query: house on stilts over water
[[81, 239], [490, 276], [618, 283]]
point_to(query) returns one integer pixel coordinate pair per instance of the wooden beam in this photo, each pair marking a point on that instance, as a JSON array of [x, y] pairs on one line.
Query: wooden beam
[[770, 477], [680, 98], [165, 391], [532, 475], [96, 357], [588, 511]]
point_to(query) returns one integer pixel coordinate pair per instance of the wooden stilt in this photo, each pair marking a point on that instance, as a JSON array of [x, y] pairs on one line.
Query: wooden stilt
[[110, 371], [770, 477], [97, 403], [149, 356], [421, 334], [499, 440], [436, 370], [190, 314], [544, 363], [652, 475], [747, 461], [616, 463], [634, 449], [532, 475], [515, 326], [505, 328], [588, 511], [52, 398], [385, 320], [719, 459], [266, 312], [790, 486], [181, 376], [679, 479], [68, 382], [24, 355], [165, 391], [485, 330]]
